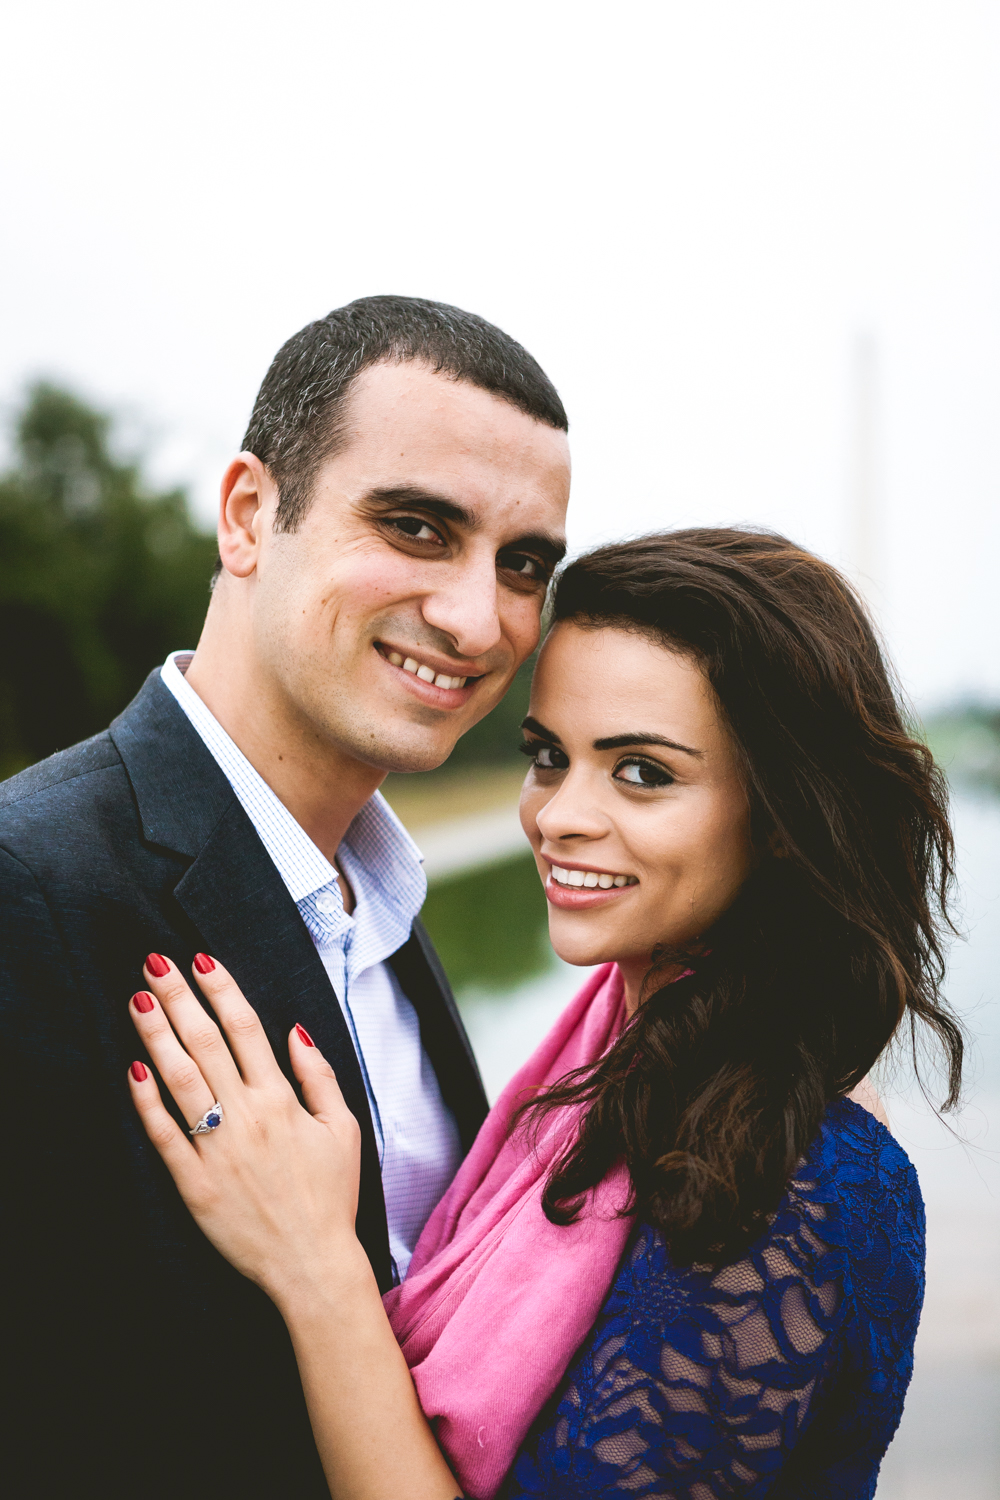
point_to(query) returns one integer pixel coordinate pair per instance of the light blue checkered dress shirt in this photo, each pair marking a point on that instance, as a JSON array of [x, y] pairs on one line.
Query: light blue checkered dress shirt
[[418, 1140]]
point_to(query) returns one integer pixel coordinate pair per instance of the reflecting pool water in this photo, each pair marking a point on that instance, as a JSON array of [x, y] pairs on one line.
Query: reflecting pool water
[[949, 1439], [491, 931], [489, 926]]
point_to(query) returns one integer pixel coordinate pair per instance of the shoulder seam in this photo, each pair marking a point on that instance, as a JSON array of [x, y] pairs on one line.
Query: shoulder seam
[[63, 780]]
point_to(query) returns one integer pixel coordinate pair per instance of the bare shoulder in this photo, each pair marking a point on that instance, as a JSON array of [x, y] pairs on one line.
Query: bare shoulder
[[867, 1096]]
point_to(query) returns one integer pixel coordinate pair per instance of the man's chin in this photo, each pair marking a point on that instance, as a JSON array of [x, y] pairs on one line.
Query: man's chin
[[406, 759]]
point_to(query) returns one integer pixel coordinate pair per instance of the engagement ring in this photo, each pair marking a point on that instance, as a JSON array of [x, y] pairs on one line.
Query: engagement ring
[[210, 1120]]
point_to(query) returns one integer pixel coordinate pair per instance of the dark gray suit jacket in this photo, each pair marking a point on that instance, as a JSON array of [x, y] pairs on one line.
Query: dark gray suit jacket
[[135, 1358]]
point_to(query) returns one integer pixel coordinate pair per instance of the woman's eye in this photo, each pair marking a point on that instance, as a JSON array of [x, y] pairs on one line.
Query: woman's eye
[[523, 565], [643, 773], [545, 757], [415, 529]]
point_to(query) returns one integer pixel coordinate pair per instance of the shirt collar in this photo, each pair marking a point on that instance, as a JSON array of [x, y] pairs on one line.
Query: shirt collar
[[376, 846]]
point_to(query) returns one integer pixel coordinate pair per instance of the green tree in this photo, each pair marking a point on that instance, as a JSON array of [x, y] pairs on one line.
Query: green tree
[[100, 578]]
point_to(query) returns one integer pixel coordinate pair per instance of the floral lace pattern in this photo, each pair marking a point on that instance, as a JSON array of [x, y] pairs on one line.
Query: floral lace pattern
[[782, 1374]]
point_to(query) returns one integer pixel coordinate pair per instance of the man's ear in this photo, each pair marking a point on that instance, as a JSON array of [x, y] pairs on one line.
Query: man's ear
[[247, 499]]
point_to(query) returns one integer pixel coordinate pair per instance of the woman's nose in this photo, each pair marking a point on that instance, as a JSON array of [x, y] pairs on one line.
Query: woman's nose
[[573, 811]]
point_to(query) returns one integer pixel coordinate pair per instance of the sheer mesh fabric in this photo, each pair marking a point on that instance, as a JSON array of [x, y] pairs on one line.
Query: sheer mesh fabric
[[782, 1374]]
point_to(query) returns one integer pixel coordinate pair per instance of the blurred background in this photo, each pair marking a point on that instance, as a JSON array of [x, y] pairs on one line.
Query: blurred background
[[756, 248]]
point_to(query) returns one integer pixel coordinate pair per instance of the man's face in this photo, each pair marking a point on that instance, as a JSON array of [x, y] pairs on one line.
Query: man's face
[[424, 554]]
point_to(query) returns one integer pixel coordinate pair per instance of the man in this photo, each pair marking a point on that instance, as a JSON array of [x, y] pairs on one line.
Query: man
[[385, 542]]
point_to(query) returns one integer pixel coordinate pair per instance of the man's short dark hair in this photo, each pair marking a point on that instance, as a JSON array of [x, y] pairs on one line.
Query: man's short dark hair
[[297, 421]]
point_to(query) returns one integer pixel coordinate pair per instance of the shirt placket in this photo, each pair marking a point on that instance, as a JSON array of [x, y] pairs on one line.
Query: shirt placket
[[345, 941]]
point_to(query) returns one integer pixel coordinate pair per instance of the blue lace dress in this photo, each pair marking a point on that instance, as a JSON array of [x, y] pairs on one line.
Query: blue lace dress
[[780, 1375]]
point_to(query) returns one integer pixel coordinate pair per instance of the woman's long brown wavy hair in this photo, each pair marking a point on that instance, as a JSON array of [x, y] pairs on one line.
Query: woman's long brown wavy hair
[[715, 1090]]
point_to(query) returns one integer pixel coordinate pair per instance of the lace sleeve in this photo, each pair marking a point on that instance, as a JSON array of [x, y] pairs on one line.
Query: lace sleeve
[[693, 1384], [698, 1384]]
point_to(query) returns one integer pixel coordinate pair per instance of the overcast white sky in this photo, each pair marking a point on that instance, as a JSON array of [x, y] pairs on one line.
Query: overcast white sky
[[691, 213]]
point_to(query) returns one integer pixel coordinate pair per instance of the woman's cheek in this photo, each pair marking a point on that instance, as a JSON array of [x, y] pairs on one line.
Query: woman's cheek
[[716, 892]]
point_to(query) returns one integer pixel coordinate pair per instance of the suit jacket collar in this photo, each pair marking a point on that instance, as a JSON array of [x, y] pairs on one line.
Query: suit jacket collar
[[179, 789]]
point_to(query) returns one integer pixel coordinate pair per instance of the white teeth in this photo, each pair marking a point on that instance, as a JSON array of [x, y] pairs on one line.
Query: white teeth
[[426, 674], [590, 878]]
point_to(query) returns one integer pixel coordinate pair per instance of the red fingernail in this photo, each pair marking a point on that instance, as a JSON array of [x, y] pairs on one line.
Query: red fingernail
[[143, 1003], [138, 1072], [157, 965], [203, 963], [304, 1035]]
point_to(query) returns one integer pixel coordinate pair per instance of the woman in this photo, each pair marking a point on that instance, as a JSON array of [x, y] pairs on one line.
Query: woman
[[679, 1260]]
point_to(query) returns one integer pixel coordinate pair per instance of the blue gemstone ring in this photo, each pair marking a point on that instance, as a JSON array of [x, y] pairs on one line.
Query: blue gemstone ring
[[210, 1120]]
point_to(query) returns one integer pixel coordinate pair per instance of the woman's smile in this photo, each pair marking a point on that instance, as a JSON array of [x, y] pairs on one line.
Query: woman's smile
[[580, 887]]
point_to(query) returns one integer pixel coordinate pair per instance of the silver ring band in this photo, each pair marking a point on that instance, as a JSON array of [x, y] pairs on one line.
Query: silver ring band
[[210, 1120]]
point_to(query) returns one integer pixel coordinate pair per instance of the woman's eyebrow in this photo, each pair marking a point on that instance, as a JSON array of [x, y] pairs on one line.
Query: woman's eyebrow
[[619, 742], [543, 734]]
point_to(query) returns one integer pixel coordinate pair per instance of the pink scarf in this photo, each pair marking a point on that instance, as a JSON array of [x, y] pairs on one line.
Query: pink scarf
[[497, 1299]]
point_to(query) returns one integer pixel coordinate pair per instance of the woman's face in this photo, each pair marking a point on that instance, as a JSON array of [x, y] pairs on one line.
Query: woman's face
[[634, 804]]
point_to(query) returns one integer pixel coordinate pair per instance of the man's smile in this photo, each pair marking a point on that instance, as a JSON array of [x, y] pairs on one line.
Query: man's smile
[[424, 677]]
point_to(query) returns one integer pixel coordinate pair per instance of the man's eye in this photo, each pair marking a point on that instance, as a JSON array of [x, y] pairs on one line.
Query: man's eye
[[523, 565], [642, 773], [415, 528], [545, 757]]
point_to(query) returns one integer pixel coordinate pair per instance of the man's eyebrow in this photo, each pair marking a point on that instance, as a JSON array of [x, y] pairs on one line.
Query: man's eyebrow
[[551, 548], [620, 741], [412, 494], [543, 734]]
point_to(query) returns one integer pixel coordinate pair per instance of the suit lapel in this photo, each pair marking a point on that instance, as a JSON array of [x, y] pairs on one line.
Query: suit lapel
[[425, 984], [241, 909], [239, 903]]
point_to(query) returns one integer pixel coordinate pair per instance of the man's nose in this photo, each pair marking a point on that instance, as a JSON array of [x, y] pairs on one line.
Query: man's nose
[[465, 604]]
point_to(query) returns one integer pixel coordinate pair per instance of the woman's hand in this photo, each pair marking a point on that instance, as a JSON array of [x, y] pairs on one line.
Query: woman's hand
[[275, 1186]]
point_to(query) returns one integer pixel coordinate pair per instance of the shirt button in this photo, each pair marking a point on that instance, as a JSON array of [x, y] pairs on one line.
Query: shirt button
[[328, 903]]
